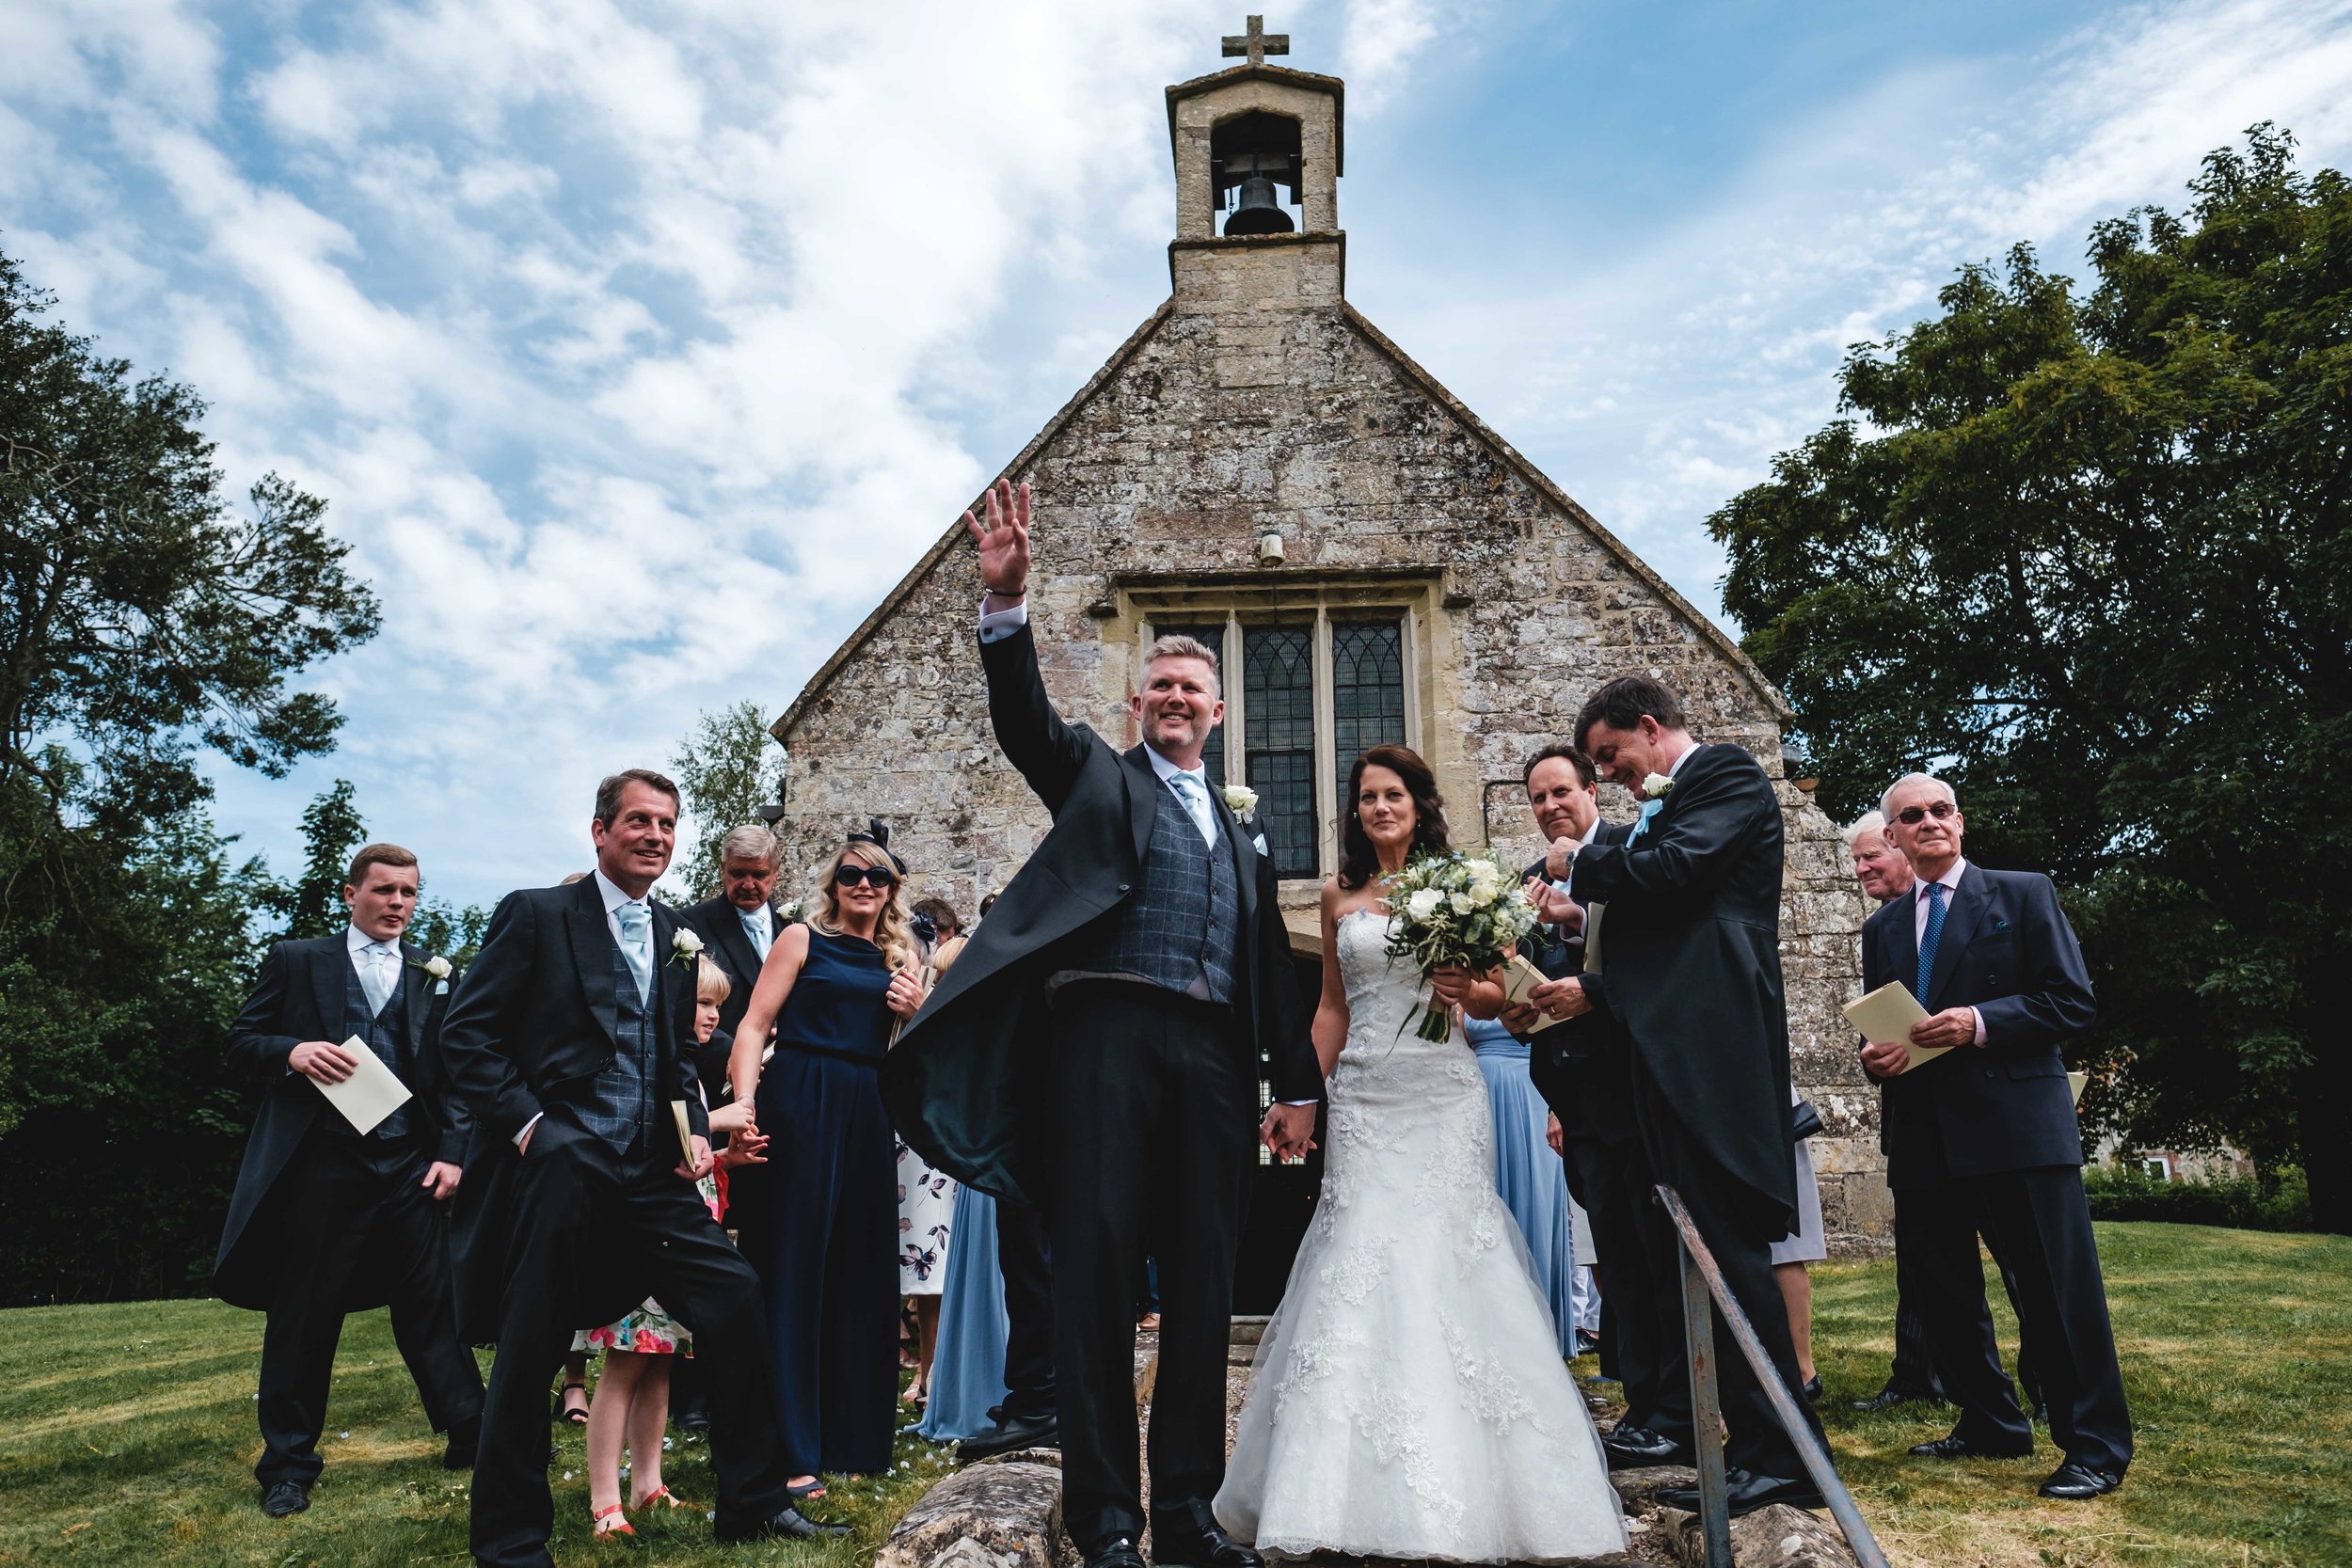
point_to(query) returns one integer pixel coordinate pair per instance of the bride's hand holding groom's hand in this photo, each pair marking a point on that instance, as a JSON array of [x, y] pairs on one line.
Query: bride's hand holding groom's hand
[[1003, 542], [1287, 1131]]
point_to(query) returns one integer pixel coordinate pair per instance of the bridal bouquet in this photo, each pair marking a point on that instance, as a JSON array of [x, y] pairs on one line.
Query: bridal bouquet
[[1453, 908]]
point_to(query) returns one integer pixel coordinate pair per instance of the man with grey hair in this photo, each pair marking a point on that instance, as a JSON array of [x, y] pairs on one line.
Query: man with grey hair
[[1094, 1052], [739, 923], [1982, 1137]]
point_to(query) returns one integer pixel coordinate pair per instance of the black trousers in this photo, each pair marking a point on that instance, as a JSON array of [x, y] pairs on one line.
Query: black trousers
[[1158, 1131], [595, 1233], [1025, 1255], [1635, 1245], [357, 1224], [2038, 1225], [1724, 1214], [1914, 1372]]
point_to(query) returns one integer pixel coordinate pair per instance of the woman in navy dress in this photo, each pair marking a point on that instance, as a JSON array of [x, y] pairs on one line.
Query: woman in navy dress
[[827, 1249]]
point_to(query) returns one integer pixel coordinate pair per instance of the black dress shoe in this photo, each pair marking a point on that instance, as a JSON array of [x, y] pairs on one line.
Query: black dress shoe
[[1009, 1435], [1957, 1447], [2073, 1483], [1117, 1552], [1811, 1390], [284, 1497], [787, 1523], [1637, 1447], [465, 1441], [1200, 1548], [1747, 1493]]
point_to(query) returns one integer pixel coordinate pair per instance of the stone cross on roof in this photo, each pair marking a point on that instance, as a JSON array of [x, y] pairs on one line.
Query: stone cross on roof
[[1257, 43]]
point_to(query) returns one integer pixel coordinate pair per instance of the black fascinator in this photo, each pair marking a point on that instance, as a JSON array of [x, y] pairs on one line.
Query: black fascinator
[[877, 832]]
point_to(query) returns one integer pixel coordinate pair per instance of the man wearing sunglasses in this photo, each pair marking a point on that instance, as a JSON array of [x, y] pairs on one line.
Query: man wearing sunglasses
[[1983, 1137]]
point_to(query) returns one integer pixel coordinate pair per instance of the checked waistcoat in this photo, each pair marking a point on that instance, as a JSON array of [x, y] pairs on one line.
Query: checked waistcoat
[[1181, 929], [387, 1034], [619, 1107]]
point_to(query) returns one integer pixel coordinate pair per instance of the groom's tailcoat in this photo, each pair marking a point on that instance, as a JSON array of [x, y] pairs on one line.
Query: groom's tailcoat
[[1125, 1103], [968, 1083], [1690, 945]]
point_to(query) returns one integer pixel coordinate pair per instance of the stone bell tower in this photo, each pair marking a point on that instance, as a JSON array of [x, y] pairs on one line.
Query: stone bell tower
[[1242, 137]]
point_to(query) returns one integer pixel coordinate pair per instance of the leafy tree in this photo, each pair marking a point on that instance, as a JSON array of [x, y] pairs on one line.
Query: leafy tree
[[2089, 557], [142, 619], [728, 768], [312, 904]]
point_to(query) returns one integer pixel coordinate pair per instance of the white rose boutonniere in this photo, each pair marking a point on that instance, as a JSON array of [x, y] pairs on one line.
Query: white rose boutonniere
[[685, 947], [1658, 786], [438, 966], [1240, 800]]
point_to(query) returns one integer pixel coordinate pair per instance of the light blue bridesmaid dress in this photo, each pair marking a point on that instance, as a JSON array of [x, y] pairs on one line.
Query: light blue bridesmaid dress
[[1529, 1176], [968, 1366]]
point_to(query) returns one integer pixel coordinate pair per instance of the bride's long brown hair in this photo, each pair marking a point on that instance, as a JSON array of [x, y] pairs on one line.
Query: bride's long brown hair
[[1360, 863]]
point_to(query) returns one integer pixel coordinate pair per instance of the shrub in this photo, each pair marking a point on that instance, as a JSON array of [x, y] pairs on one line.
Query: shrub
[[2278, 1202]]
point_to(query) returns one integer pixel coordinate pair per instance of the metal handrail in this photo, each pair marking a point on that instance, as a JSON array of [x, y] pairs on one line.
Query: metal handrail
[[1701, 1278]]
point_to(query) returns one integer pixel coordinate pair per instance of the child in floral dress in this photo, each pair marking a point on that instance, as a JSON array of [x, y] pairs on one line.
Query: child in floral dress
[[631, 1406]]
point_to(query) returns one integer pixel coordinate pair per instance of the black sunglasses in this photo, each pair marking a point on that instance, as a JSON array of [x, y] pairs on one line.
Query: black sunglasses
[[1909, 817], [877, 876]]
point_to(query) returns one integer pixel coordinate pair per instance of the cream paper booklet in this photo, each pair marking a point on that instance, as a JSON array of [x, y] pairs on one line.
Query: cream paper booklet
[[1592, 936], [372, 1091], [1886, 1015], [1518, 981], [685, 1130]]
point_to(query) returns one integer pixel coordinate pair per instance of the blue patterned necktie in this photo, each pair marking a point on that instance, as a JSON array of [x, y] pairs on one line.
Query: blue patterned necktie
[[637, 945], [1190, 790], [1649, 809], [1934, 934]]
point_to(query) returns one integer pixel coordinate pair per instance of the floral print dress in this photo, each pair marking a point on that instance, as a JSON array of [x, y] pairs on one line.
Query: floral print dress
[[927, 1207]]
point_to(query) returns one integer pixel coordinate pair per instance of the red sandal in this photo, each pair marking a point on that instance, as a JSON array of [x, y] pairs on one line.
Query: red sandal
[[596, 1517], [660, 1496]]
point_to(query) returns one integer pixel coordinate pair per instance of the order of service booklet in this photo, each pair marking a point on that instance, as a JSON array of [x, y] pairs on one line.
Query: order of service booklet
[[1887, 1014], [373, 1092], [1518, 981]]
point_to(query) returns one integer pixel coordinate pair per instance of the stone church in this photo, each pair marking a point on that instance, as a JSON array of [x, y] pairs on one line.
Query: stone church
[[1261, 467]]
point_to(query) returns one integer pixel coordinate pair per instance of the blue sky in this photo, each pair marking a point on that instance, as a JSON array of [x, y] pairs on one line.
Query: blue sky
[[639, 350]]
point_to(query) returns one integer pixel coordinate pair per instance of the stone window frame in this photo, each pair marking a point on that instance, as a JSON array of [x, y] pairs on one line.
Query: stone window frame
[[1414, 598]]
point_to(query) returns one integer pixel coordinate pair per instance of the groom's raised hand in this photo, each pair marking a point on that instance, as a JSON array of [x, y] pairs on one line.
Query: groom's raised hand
[[1004, 541]]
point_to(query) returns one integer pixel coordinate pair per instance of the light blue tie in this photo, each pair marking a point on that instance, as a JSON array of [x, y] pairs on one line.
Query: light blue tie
[[1190, 791], [1649, 809], [1934, 934], [375, 978], [756, 927], [637, 945]]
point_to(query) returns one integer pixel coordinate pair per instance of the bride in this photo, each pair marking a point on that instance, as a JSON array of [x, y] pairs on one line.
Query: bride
[[1408, 1399]]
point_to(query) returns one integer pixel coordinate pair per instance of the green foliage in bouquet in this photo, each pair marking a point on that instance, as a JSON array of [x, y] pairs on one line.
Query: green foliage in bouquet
[[1454, 909]]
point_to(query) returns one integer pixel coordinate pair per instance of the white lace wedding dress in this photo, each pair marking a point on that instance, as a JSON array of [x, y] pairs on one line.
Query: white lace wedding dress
[[1408, 1399]]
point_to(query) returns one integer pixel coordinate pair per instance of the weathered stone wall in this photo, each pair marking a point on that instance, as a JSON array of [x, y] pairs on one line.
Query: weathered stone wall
[[1257, 403]]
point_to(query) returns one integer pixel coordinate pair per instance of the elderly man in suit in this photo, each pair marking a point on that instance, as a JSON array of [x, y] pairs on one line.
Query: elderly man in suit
[[1691, 942], [326, 1220], [571, 1040], [1983, 1136], [1584, 1070], [740, 924], [1095, 1050]]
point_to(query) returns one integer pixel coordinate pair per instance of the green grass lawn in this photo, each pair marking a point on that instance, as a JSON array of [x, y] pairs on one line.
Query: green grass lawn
[[127, 1436]]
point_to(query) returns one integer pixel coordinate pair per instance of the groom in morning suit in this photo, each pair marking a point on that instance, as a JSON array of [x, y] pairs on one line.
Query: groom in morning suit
[[1094, 1052], [1986, 1137], [326, 1220], [1691, 942], [571, 1039], [1584, 1070]]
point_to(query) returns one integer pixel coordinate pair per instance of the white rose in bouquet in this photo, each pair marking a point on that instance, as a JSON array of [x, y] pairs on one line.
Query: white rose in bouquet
[[1421, 905]]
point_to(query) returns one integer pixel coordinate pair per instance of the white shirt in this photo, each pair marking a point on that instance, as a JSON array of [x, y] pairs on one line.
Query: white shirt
[[1206, 820], [358, 941], [995, 625], [1949, 883]]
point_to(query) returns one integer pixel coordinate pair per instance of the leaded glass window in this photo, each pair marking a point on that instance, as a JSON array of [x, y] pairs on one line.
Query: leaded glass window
[[1367, 693], [1279, 741], [1211, 636]]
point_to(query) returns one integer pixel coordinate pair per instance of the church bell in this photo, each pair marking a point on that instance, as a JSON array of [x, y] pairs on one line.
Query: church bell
[[1258, 212]]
